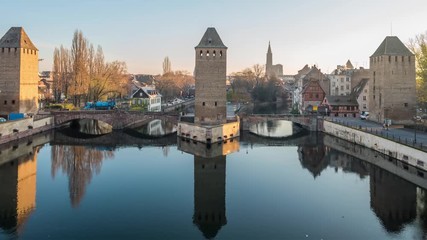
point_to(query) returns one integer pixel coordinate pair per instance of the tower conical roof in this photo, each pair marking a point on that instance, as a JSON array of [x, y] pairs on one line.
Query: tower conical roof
[[16, 38], [349, 65], [211, 39], [269, 47], [392, 46]]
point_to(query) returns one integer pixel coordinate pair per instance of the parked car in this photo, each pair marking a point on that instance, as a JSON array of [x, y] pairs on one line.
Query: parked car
[[2, 120], [364, 115]]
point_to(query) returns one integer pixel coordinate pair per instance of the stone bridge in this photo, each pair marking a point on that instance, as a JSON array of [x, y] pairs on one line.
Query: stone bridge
[[116, 118], [309, 122]]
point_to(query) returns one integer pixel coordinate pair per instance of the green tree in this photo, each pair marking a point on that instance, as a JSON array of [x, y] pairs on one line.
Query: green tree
[[418, 45]]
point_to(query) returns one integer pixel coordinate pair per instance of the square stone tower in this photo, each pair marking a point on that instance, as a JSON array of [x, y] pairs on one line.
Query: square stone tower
[[18, 73], [393, 84], [210, 74]]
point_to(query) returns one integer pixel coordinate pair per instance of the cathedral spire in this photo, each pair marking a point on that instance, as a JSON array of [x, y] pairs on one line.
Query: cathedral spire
[[269, 47]]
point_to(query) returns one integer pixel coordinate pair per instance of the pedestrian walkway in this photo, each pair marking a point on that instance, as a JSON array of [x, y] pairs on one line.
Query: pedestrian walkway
[[410, 137]]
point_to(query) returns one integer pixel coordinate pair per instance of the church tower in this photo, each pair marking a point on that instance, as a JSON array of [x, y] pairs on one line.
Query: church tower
[[18, 73], [269, 62], [210, 74], [393, 85]]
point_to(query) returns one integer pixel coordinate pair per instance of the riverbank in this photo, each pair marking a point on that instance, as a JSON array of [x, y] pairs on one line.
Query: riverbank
[[386, 142], [13, 130]]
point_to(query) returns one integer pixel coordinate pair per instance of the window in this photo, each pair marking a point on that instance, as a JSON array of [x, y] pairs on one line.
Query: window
[[347, 87], [364, 106], [347, 79], [201, 53], [13, 101], [5, 102], [364, 98], [207, 53], [405, 104], [220, 53], [203, 104], [215, 104], [214, 53], [395, 58], [342, 88]]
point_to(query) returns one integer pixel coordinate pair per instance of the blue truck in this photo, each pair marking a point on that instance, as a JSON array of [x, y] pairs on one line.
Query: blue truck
[[100, 105], [16, 116]]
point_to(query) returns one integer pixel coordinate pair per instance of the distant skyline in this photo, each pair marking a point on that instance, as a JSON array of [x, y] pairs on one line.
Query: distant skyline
[[142, 33]]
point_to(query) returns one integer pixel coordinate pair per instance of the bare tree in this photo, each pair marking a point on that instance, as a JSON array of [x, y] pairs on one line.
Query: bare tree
[[167, 66]]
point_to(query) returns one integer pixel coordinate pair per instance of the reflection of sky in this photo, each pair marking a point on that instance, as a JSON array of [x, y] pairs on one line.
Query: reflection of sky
[[146, 194], [279, 128]]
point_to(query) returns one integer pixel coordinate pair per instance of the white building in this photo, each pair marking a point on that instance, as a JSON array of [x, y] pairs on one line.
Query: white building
[[149, 97]]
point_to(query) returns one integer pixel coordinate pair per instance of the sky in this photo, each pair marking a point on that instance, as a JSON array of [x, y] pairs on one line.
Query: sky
[[325, 33]]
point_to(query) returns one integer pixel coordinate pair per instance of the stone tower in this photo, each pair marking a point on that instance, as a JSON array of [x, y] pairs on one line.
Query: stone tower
[[18, 73], [393, 85], [210, 75]]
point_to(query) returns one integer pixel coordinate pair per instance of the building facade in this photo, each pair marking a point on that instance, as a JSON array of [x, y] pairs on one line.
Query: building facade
[[18, 73], [393, 85]]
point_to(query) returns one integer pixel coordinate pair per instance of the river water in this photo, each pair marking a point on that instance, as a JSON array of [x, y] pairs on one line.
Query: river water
[[121, 186]]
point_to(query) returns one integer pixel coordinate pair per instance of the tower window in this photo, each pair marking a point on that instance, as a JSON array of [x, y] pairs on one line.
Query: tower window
[[16, 49], [395, 59], [207, 53], [405, 104], [389, 58], [13, 101], [220, 53], [216, 104], [214, 53], [5, 102], [201, 53], [203, 104]]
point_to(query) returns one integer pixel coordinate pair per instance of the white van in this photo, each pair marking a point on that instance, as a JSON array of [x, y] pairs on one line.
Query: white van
[[364, 115]]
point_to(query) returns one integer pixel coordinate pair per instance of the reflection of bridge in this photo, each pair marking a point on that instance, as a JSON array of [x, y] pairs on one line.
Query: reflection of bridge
[[116, 118], [306, 121], [114, 139]]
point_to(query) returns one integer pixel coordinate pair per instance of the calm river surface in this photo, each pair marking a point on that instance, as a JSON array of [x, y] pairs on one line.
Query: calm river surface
[[119, 186]]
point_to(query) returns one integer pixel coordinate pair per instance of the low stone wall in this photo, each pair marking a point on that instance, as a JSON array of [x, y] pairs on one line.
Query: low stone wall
[[207, 134], [13, 130], [387, 147]]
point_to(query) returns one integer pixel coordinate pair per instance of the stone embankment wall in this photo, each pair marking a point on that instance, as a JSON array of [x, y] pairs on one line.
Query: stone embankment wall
[[13, 130], [387, 147]]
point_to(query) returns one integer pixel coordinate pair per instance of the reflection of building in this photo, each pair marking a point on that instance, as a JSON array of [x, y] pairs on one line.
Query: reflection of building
[[209, 183], [17, 191], [312, 156], [18, 72], [392, 199], [209, 194]]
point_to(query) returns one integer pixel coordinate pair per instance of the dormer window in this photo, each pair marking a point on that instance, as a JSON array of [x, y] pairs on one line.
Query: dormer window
[[210, 40]]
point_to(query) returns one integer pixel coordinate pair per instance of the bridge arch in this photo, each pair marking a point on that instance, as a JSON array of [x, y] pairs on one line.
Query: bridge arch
[[117, 119]]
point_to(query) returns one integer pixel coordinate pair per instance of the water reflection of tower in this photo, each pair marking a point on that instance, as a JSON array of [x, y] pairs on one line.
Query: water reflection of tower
[[392, 199], [209, 194], [18, 192], [209, 183]]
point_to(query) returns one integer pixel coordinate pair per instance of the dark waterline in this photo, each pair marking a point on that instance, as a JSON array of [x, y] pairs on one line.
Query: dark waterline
[[299, 188]]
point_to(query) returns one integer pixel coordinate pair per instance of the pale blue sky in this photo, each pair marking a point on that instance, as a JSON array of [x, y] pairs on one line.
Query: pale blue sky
[[142, 33]]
